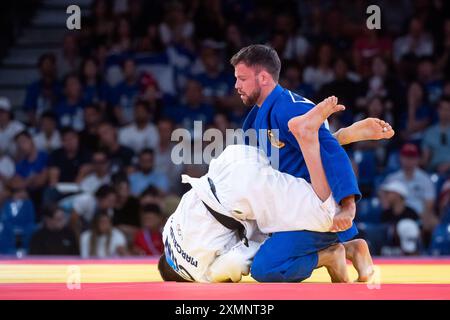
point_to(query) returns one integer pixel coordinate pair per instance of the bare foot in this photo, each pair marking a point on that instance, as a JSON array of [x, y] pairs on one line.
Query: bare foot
[[372, 129], [333, 258], [313, 119], [357, 251]]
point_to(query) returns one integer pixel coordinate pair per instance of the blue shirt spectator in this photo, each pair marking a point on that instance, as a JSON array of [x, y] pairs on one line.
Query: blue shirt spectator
[[70, 109], [192, 107], [44, 93], [125, 94], [146, 175]]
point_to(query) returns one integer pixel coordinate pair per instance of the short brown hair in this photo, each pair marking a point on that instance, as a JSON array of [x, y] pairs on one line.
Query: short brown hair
[[259, 55], [166, 271]]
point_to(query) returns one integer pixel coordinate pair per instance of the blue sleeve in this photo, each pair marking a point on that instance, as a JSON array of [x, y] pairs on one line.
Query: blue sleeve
[[336, 163]]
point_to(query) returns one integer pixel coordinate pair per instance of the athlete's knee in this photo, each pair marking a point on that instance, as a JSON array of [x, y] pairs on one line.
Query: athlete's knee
[[262, 272]]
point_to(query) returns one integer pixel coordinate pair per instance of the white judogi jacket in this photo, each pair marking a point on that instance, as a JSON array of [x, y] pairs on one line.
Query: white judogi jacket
[[263, 199]]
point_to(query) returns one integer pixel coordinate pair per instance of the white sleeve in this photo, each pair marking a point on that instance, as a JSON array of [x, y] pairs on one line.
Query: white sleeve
[[233, 264], [84, 205], [280, 202]]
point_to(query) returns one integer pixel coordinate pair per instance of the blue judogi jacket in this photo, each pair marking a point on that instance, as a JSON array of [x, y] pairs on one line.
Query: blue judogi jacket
[[272, 117]]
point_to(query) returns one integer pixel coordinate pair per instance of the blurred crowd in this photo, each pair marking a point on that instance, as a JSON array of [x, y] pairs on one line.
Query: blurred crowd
[[87, 169]]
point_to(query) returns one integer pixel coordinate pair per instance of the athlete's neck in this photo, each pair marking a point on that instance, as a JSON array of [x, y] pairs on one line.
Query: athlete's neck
[[265, 91]]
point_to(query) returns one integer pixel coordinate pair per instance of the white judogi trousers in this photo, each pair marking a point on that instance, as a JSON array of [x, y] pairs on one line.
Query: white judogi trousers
[[249, 190]]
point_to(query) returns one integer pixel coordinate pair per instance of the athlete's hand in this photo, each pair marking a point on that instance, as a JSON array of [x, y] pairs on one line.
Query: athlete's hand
[[344, 219]]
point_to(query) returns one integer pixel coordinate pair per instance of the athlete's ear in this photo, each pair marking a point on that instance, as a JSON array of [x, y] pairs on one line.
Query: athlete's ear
[[264, 77]]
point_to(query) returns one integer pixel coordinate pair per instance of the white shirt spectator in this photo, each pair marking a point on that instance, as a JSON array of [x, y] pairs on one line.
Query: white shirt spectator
[[165, 165], [420, 188], [317, 77], [186, 31], [296, 47], [117, 240], [84, 205], [139, 139], [406, 44], [92, 182], [48, 144], [7, 134]]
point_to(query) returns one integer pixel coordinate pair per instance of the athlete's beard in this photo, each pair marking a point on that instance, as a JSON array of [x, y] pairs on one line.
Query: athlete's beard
[[252, 98]]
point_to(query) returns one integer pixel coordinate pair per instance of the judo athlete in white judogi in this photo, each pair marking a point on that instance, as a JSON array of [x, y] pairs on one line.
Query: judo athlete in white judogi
[[222, 221]]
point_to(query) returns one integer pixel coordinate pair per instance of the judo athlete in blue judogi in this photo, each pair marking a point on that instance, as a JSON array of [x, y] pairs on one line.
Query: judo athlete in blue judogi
[[291, 256]]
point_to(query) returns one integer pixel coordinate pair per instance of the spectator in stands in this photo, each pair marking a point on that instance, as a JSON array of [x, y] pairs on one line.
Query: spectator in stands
[[65, 164], [419, 113], [70, 109], [124, 96], [122, 42], [382, 82], [436, 141], [8, 128], [126, 215], [148, 241], [417, 42], [192, 108], [396, 15], [43, 94], [102, 240], [367, 46], [7, 171], [48, 138], [151, 93], [163, 153], [345, 86], [32, 165], [297, 46], [395, 214], [100, 24], [216, 83], [120, 156], [176, 28], [141, 133], [54, 237], [18, 215], [376, 108], [146, 175], [430, 79], [100, 174], [235, 40], [321, 71], [68, 59], [94, 88], [151, 195], [292, 79], [444, 203], [421, 190], [86, 205], [92, 115]]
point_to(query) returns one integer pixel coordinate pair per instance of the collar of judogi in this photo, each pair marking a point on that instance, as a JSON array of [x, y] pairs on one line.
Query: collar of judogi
[[272, 96]]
